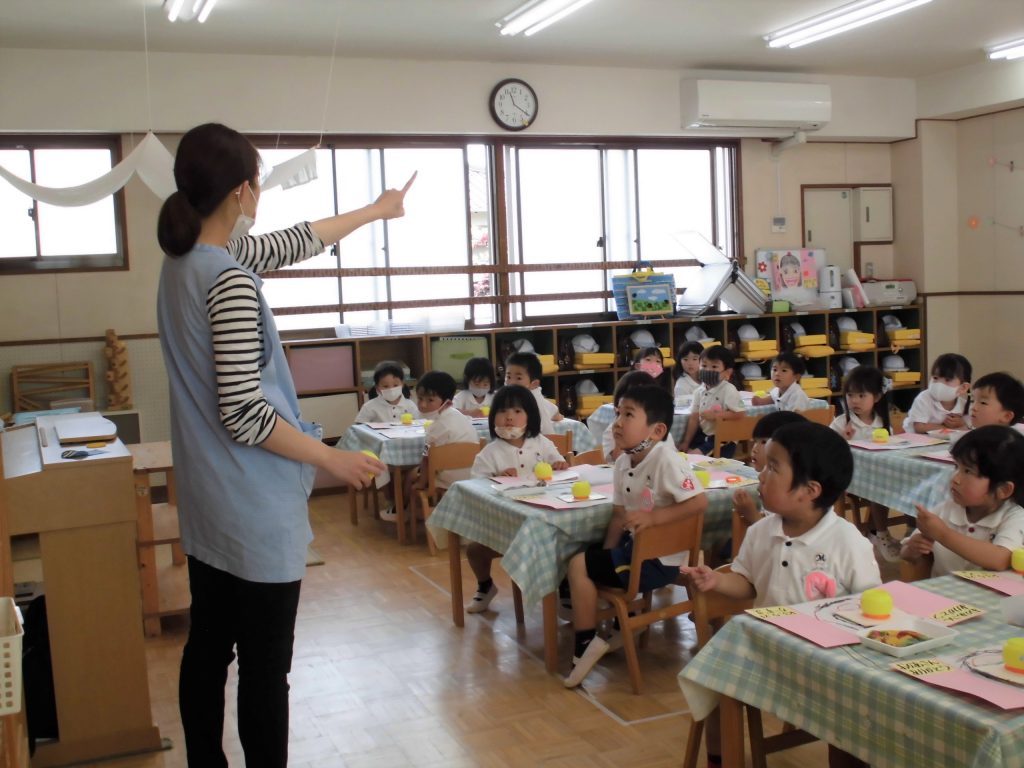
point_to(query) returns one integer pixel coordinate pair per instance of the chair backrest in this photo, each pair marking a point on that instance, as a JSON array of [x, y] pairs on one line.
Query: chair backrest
[[733, 431], [448, 456], [662, 540], [819, 415], [593, 456], [916, 570], [563, 443], [711, 608]]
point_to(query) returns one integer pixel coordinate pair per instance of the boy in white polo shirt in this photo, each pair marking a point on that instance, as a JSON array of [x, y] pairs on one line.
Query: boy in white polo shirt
[[653, 485], [525, 369], [717, 399], [786, 395], [804, 551]]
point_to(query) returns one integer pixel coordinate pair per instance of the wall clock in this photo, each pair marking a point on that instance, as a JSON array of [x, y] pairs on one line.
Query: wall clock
[[513, 104]]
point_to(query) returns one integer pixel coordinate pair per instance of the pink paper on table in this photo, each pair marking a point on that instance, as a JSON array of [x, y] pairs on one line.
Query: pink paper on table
[[547, 500], [928, 605], [897, 442], [960, 680], [1005, 583], [944, 456], [818, 632]]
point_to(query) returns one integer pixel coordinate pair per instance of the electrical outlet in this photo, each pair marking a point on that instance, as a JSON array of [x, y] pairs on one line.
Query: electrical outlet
[[869, 269], [778, 223]]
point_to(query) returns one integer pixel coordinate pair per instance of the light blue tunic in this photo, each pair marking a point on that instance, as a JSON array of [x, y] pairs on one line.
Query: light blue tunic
[[242, 508]]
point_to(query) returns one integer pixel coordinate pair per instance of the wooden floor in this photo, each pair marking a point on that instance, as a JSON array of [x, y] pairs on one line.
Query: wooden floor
[[382, 678]]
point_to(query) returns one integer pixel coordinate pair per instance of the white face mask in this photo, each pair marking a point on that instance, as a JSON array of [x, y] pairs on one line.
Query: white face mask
[[510, 433], [942, 392], [478, 392], [391, 394], [243, 223]]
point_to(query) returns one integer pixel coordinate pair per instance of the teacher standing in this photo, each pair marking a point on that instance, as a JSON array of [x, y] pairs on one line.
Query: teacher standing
[[244, 460]]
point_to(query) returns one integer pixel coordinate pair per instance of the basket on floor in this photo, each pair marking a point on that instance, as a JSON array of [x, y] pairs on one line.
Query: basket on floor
[[11, 633]]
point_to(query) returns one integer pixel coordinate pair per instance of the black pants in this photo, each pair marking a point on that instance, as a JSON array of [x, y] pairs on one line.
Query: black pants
[[260, 619]]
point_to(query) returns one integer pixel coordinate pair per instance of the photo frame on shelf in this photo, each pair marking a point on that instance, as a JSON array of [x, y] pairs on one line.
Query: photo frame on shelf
[[651, 300]]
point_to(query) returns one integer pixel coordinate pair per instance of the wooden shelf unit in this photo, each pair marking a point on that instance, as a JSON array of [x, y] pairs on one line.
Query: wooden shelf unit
[[414, 350]]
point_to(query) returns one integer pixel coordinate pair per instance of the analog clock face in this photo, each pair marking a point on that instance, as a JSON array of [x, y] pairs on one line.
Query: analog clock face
[[513, 104]]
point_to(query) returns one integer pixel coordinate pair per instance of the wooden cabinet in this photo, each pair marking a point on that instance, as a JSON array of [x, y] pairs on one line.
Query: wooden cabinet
[[615, 337]]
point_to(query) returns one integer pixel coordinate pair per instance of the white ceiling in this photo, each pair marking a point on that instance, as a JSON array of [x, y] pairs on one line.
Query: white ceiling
[[661, 34]]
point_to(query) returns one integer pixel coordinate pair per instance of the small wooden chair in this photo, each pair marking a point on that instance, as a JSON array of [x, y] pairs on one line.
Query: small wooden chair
[[593, 456], [915, 571], [710, 612], [819, 415], [441, 458], [739, 430], [632, 608], [368, 494], [563, 443]]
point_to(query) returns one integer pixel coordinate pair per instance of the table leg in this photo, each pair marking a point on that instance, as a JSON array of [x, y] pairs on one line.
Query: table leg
[[396, 483], [455, 574], [550, 610], [177, 552], [733, 747], [150, 587]]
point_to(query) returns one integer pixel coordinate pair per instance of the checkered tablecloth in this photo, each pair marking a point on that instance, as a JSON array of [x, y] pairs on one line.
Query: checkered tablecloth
[[408, 451], [537, 542], [899, 479], [849, 697], [605, 415]]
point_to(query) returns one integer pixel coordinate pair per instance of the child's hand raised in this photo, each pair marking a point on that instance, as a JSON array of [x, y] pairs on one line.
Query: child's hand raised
[[916, 548], [510, 472], [744, 507], [930, 524], [954, 421], [558, 466], [704, 579]]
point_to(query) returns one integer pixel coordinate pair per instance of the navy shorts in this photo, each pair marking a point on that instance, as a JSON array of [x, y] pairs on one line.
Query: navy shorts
[[611, 567]]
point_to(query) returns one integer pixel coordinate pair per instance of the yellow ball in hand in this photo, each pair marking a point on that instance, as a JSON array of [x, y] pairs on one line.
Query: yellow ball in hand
[[372, 455], [1017, 560], [542, 470], [581, 490]]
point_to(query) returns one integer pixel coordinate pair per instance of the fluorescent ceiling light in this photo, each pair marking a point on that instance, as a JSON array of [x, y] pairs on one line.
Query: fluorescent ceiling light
[[538, 14], [186, 10], [842, 19], [1011, 50]]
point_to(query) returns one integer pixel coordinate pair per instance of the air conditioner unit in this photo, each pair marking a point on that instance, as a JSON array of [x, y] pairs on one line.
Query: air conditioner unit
[[752, 104]]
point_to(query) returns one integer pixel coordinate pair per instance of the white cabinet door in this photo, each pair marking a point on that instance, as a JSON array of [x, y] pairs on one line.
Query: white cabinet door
[[828, 224], [873, 209]]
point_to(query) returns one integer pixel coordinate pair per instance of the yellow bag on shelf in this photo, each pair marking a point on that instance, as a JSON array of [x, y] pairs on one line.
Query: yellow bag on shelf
[[822, 392], [815, 351], [904, 334], [856, 337], [813, 382], [547, 364], [756, 345], [594, 360], [904, 377], [811, 340], [593, 402], [756, 385]]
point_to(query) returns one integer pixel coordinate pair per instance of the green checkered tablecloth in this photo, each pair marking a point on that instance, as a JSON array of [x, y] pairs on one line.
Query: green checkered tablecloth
[[408, 451], [605, 415], [537, 542], [900, 479], [849, 697]]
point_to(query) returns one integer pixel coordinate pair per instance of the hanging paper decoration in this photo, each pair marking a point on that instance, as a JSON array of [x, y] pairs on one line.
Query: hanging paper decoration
[[300, 169]]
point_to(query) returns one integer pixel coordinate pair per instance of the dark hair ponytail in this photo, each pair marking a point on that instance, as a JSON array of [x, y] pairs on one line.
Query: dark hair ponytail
[[212, 160]]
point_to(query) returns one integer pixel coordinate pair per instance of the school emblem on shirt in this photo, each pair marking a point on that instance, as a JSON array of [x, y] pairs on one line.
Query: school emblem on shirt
[[687, 484], [819, 558]]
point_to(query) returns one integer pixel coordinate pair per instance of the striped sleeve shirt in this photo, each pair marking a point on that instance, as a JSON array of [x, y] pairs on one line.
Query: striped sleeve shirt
[[233, 307]]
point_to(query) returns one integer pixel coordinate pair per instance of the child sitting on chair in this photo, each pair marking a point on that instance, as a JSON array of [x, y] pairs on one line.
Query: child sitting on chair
[[434, 393], [945, 402], [653, 485], [804, 551], [689, 372], [388, 401], [630, 379], [981, 525], [477, 387], [516, 447], [525, 369], [786, 395], [998, 398], [716, 400], [743, 504]]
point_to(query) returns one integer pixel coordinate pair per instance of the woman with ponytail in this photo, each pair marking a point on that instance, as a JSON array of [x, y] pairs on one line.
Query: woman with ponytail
[[244, 460]]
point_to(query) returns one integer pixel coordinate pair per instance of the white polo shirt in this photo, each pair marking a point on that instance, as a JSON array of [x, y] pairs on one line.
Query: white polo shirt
[[685, 389], [664, 471], [548, 411], [1004, 527], [927, 410], [465, 401], [794, 398], [723, 394], [451, 426], [377, 409], [861, 430], [779, 566], [498, 455]]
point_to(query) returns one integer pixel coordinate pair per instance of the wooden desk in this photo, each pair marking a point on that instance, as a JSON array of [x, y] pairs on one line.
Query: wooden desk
[[84, 517], [164, 589]]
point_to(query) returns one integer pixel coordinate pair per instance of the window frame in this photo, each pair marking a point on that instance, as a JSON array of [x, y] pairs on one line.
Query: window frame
[[67, 264], [498, 147]]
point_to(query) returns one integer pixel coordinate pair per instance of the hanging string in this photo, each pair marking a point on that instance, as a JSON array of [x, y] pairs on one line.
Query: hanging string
[[145, 47], [330, 75]]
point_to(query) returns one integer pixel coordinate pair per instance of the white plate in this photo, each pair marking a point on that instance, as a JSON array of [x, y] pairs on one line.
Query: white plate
[[937, 635]]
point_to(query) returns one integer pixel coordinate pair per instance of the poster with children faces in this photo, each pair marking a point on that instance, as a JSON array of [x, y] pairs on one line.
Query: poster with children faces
[[790, 274]]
